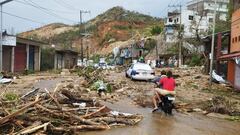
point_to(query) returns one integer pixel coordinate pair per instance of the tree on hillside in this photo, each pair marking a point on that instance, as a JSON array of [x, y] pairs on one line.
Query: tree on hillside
[[156, 30]]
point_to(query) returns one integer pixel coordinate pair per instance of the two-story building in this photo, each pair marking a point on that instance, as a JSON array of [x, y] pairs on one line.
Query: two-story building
[[206, 8], [233, 57], [192, 24]]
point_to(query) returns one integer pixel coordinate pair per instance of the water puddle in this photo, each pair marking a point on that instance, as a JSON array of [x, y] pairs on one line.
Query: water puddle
[[159, 124]]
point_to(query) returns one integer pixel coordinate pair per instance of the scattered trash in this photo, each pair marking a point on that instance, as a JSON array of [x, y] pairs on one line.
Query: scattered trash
[[218, 78], [5, 80]]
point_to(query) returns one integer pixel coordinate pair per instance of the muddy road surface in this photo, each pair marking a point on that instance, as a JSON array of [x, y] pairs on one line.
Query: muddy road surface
[[135, 97], [178, 124]]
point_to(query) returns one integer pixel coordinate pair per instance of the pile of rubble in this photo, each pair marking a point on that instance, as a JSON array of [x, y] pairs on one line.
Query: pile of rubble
[[66, 110]]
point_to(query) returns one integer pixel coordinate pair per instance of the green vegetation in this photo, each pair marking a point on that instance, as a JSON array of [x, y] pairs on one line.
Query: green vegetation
[[66, 38], [95, 58], [150, 44], [195, 60], [106, 38], [120, 14], [10, 96], [156, 30]]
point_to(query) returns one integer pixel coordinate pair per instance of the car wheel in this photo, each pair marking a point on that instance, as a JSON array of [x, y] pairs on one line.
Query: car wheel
[[132, 78], [126, 75]]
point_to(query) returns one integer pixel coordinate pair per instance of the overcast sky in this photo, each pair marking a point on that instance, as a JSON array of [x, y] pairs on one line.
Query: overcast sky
[[67, 11]]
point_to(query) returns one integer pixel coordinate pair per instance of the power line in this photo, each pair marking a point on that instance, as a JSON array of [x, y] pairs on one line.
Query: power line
[[43, 9], [23, 18], [66, 5], [163, 11]]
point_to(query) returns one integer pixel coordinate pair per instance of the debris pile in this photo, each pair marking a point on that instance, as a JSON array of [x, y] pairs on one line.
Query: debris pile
[[59, 112], [222, 105]]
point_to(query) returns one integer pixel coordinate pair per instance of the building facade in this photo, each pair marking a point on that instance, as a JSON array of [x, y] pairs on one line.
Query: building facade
[[65, 59], [233, 57], [192, 24], [20, 54], [206, 8]]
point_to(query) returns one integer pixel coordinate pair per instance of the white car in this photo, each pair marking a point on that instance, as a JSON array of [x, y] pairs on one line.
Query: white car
[[140, 71]]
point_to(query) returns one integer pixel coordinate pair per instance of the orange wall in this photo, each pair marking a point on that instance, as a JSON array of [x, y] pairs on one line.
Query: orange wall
[[235, 31], [231, 71]]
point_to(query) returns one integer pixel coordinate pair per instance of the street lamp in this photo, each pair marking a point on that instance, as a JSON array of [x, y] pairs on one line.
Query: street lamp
[[1, 36], [212, 47]]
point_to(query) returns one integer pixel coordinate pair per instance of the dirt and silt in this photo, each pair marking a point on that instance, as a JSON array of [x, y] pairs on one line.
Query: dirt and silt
[[195, 101]]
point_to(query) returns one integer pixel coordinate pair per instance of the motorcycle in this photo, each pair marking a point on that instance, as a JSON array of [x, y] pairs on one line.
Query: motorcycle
[[167, 104]]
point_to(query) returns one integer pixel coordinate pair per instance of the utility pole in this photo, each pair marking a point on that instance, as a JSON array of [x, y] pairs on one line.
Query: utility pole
[[212, 46], [180, 34], [81, 34], [1, 36]]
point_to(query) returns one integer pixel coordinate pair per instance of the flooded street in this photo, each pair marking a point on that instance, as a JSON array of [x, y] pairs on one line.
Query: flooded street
[[159, 124], [123, 99]]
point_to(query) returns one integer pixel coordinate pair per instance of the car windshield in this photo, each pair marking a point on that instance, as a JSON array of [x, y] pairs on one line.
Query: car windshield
[[142, 67]]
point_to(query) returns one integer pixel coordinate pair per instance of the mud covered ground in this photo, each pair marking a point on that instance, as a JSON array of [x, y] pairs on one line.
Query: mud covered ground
[[203, 109]]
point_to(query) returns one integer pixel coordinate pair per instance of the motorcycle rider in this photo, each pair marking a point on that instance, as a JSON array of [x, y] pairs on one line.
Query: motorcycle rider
[[168, 85]]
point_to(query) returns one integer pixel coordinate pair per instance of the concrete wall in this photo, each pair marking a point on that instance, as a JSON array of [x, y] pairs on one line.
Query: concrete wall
[[235, 32], [70, 60], [37, 58]]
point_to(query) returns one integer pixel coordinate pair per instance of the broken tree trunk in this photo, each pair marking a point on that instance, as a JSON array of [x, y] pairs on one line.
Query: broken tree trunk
[[8, 117], [111, 120], [89, 127], [73, 97], [93, 113], [68, 115]]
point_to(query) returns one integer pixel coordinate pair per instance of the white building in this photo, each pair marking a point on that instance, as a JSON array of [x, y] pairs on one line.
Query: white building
[[191, 24], [206, 8]]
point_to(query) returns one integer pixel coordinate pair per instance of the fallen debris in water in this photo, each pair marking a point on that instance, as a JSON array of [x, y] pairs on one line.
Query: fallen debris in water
[[61, 112]]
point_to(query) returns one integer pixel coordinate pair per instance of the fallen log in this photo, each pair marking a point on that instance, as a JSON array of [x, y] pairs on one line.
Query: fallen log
[[34, 129], [89, 127], [93, 113], [111, 120], [83, 121], [68, 115], [10, 116], [73, 97]]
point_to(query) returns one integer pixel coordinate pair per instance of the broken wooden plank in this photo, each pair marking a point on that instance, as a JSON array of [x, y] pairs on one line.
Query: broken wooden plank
[[93, 113], [30, 93], [89, 127], [54, 99], [33, 129], [8, 117]]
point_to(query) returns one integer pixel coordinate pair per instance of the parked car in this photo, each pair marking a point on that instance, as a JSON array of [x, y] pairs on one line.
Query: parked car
[[140, 71]]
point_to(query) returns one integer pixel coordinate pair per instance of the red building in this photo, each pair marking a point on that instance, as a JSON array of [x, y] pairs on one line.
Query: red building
[[233, 58], [20, 54]]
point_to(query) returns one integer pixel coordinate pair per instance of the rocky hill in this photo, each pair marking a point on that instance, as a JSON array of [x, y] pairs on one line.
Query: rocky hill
[[116, 24]]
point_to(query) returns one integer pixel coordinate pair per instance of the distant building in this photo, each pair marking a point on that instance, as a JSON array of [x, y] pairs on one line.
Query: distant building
[[191, 25], [65, 59], [206, 8]]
